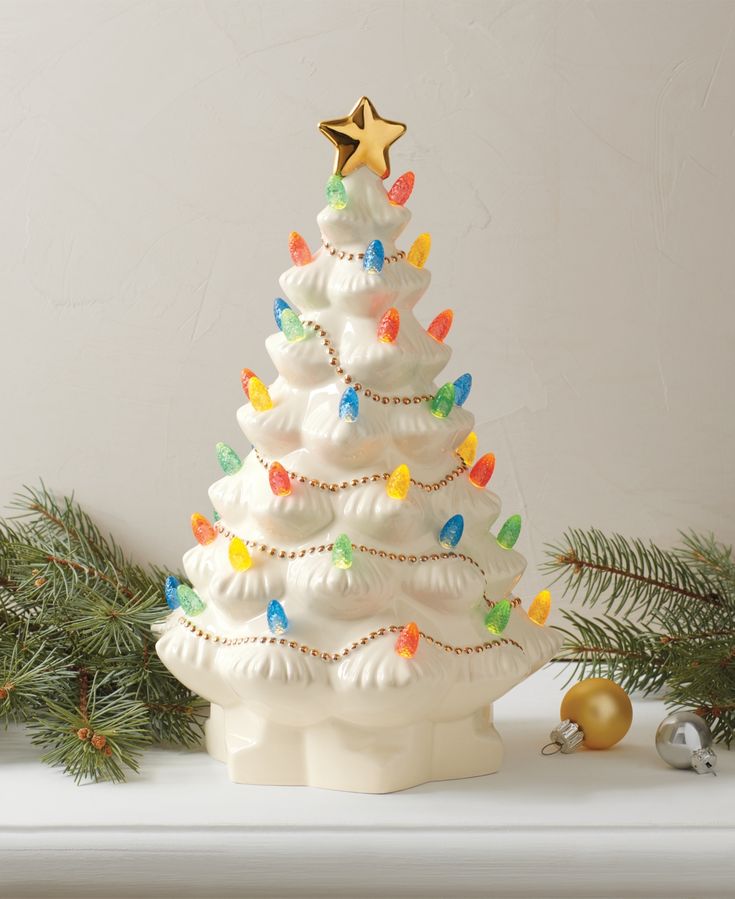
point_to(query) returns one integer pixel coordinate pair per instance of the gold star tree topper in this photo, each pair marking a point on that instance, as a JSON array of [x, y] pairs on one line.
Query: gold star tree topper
[[362, 138]]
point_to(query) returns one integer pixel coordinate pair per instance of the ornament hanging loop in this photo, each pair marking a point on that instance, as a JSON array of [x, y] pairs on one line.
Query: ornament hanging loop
[[555, 747]]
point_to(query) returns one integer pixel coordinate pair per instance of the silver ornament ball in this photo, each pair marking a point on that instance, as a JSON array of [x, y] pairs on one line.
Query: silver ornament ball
[[684, 740]]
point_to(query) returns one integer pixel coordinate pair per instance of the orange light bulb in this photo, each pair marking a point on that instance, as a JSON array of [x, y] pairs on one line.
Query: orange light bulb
[[203, 531], [299, 249], [279, 480], [408, 640], [388, 325], [441, 325]]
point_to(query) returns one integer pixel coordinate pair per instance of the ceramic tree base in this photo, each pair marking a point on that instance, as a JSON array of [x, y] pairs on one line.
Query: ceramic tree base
[[336, 755]]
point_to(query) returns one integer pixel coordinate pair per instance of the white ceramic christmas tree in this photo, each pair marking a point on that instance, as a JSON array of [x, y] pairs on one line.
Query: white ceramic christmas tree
[[351, 616]]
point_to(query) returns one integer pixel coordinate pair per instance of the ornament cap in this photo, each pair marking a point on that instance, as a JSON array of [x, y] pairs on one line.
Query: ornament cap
[[566, 737], [704, 761]]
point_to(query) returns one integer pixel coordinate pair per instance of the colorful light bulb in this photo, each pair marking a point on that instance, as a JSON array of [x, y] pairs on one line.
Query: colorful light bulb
[[441, 325], [483, 470], [349, 405], [342, 552], [467, 450], [299, 249], [275, 615], [539, 609], [189, 600], [259, 396], [336, 193], [279, 306], [510, 532], [170, 586], [245, 375], [215, 515], [279, 480], [498, 617], [462, 387], [408, 640], [374, 257], [203, 531], [420, 249], [402, 189], [239, 555], [398, 483], [291, 326], [451, 533], [228, 459], [388, 325], [441, 404]]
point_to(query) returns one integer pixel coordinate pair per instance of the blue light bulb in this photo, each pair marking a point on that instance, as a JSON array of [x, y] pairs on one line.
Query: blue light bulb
[[169, 588], [462, 387], [349, 405], [451, 533], [276, 618], [278, 306], [374, 257]]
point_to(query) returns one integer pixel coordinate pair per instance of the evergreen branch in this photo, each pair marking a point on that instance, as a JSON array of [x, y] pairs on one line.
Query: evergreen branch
[[76, 664], [613, 647], [682, 633], [97, 741], [626, 575]]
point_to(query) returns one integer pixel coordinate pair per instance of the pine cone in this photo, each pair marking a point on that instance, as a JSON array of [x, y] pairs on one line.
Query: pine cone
[[83, 733], [99, 741]]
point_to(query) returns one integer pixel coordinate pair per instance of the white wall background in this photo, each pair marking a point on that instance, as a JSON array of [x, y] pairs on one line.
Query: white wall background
[[575, 164]]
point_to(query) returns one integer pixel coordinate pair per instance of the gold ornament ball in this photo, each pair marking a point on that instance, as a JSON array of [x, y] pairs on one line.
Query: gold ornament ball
[[602, 710]]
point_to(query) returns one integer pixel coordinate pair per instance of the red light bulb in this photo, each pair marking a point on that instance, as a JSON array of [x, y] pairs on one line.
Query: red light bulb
[[439, 328], [482, 470]]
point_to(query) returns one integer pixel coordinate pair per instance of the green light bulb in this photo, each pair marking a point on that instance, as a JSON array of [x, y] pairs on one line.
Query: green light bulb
[[498, 617], [228, 459], [190, 600], [291, 326], [342, 552], [336, 193], [441, 404], [510, 532]]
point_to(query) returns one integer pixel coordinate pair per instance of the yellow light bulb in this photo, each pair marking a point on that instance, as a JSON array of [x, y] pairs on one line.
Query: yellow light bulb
[[467, 450], [398, 483], [259, 396], [420, 249], [239, 555], [539, 609]]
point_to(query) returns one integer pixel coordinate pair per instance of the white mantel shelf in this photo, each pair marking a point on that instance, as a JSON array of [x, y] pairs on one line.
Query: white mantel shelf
[[594, 824]]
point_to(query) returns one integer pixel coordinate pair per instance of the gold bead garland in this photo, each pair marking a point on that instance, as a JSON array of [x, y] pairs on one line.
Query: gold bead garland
[[335, 486], [356, 644], [411, 558], [350, 381], [352, 257]]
